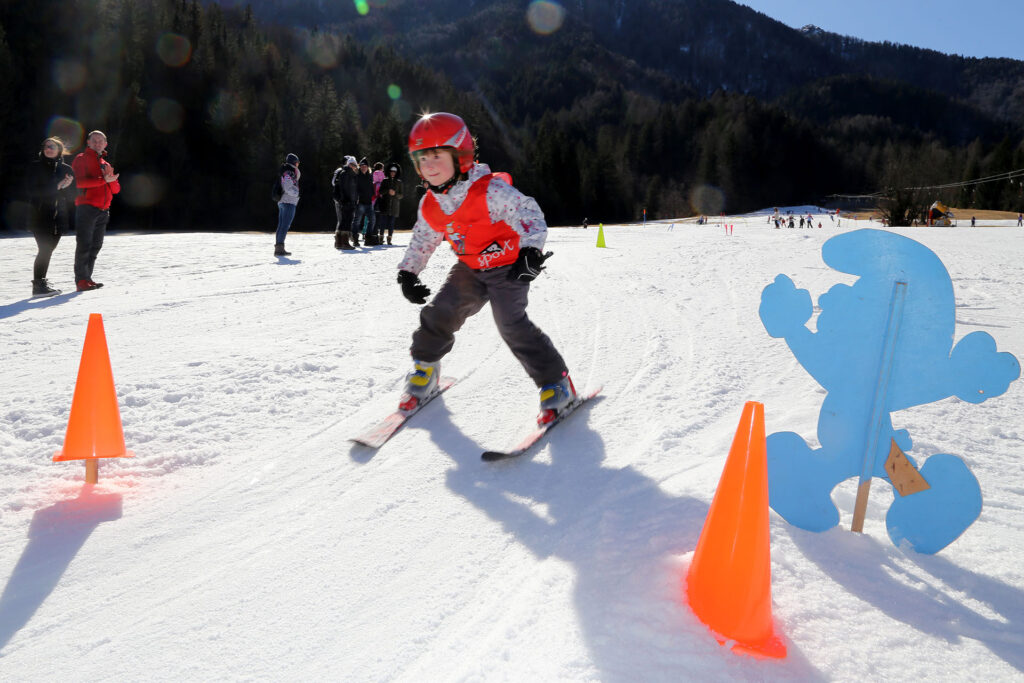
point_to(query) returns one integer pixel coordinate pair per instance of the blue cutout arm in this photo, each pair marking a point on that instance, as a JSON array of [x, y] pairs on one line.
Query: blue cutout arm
[[784, 312]]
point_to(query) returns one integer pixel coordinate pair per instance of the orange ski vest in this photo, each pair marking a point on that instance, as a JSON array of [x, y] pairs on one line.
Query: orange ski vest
[[478, 242]]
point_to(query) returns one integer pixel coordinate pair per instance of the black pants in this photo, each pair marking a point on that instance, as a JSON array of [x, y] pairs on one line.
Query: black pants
[[47, 241], [386, 223], [90, 227], [344, 213], [463, 294]]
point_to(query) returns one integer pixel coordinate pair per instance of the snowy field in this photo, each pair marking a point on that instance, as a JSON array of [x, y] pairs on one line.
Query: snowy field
[[247, 540]]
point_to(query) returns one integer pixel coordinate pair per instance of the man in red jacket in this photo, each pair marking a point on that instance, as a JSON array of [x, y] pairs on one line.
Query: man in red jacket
[[97, 184]]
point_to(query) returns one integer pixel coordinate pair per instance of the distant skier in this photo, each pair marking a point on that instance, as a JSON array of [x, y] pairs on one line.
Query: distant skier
[[498, 234]]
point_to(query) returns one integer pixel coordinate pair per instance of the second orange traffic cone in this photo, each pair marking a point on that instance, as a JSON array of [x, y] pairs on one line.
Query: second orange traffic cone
[[729, 581], [94, 425]]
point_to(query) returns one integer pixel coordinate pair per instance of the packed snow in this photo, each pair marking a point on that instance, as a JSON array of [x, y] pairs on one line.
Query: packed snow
[[249, 540]]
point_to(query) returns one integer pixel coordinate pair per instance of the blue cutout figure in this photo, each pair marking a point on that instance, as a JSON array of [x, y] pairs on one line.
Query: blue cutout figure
[[883, 344]]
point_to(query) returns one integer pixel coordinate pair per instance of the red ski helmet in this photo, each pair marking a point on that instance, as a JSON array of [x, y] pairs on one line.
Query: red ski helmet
[[442, 130]]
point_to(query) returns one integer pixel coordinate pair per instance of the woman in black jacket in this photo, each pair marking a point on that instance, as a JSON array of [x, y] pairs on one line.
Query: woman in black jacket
[[46, 179], [389, 201]]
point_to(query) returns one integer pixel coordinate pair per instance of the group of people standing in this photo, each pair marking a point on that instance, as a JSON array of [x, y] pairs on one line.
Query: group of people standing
[[781, 221], [47, 180], [366, 202]]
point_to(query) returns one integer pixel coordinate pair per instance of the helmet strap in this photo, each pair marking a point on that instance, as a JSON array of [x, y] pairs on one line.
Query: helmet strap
[[446, 185]]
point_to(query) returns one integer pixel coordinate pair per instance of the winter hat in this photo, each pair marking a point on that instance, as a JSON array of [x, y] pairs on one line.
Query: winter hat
[[364, 162], [291, 159], [395, 168], [350, 160]]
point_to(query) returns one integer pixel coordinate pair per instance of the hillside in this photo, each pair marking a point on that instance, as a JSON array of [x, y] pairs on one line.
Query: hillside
[[704, 45], [612, 112]]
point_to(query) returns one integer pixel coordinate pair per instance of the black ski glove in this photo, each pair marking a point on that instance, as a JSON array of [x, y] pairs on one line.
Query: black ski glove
[[528, 265], [414, 290]]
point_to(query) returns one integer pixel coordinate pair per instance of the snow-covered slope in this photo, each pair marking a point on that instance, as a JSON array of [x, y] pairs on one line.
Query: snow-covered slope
[[248, 540]]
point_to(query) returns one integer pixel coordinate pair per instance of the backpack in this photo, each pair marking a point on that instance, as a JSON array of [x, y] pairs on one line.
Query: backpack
[[277, 191]]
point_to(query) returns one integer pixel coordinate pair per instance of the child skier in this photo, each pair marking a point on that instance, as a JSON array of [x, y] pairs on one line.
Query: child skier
[[497, 234]]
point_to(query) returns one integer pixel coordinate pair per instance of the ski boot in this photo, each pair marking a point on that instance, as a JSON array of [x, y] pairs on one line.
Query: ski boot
[[554, 398], [419, 384]]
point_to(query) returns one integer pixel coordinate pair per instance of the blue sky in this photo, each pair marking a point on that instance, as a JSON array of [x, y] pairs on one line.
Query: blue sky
[[973, 28]]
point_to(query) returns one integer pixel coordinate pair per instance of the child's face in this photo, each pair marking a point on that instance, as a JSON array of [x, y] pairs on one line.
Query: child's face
[[436, 166]]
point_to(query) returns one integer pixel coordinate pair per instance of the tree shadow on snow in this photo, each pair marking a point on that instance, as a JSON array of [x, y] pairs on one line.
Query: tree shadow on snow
[[623, 536], [911, 595], [55, 535]]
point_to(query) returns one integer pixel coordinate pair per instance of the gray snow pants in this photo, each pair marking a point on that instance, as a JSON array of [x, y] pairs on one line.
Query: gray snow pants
[[463, 294], [90, 227]]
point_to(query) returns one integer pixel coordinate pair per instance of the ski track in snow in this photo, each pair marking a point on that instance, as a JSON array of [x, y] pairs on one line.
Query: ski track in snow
[[249, 540]]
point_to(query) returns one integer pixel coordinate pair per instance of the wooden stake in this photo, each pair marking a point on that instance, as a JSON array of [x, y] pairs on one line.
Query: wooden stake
[[892, 330], [92, 470], [860, 508]]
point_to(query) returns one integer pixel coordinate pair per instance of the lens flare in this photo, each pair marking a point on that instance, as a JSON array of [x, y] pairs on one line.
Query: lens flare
[[69, 75], [68, 130], [174, 49], [363, 7], [707, 200], [166, 115], [394, 92], [545, 17], [143, 189]]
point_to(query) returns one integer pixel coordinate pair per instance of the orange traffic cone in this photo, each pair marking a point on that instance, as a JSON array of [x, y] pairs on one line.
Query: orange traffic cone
[[729, 581], [94, 425]]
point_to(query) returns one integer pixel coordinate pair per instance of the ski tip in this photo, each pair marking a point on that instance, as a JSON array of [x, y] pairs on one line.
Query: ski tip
[[494, 456]]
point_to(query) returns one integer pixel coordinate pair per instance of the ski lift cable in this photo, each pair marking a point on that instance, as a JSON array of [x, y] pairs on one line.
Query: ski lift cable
[[1006, 175]]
